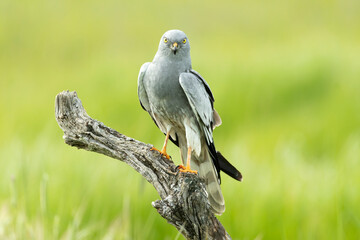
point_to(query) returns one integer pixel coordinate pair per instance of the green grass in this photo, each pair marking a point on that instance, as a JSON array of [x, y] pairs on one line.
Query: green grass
[[286, 79]]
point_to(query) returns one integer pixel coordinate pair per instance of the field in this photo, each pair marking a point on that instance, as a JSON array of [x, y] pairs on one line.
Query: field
[[286, 81]]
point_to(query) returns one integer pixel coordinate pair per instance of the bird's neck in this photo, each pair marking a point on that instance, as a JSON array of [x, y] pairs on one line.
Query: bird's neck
[[168, 60]]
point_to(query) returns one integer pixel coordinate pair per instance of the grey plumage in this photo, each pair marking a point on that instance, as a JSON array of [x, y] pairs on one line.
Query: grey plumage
[[181, 104]]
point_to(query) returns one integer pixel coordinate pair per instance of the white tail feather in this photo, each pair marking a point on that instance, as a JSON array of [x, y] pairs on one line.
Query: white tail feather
[[206, 170]]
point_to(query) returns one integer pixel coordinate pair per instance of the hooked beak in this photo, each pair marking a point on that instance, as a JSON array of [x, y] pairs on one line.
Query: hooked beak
[[174, 47]]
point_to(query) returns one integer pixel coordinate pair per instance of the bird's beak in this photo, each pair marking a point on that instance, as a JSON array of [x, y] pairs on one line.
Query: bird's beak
[[174, 47]]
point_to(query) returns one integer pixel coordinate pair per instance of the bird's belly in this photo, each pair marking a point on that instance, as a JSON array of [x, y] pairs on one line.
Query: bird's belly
[[168, 98], [169, 105], [172, 109]]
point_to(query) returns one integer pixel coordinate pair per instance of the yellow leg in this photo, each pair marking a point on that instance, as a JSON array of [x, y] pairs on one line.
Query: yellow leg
[[187, 168], [163, 150]]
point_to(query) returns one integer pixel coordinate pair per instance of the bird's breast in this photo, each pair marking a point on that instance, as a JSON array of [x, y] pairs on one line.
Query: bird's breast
[[164, 91]]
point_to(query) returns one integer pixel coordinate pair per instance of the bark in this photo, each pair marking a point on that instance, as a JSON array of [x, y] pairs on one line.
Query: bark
[[183, 203]]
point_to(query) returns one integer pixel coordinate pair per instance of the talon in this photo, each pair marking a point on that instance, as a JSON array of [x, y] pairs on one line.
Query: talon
[[152, 149], [187, 169], [181, 167], [163, 153]]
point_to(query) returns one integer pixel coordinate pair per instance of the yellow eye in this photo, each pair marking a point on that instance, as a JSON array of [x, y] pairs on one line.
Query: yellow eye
[[165, 40], [184, 41]]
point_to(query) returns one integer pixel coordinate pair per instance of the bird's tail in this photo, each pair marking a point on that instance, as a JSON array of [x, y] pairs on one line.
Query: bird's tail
[[227, 167], [207, 171]]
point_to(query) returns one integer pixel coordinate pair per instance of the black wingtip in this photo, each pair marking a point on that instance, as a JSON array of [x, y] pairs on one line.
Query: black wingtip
[[227, 168]]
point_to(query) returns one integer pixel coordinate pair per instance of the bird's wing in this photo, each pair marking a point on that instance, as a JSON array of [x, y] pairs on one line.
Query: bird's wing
[[201, 101], [144, 101], [217, 120], [143, 97], [206, 86]]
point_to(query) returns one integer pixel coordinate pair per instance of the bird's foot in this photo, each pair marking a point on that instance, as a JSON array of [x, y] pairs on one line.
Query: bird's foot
[[186, 169], [161, 152], [180, 167]]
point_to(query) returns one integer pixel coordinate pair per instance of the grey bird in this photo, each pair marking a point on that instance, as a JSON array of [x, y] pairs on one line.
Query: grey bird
[[181, 104]]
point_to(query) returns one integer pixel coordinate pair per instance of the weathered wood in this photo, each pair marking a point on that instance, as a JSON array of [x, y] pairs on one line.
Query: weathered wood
[[183, 203]]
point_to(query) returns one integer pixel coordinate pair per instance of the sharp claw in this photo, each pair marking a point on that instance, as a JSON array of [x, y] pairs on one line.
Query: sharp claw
[[187, 170], [180, 167], [162, 153]]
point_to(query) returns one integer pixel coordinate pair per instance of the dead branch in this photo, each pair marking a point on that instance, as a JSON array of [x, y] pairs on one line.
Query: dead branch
[[183, 203]]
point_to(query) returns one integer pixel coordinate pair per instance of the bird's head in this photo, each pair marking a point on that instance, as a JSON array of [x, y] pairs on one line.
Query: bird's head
[[174, 42]]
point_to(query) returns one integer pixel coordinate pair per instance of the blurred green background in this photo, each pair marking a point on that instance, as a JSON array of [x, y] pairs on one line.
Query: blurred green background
[[286, 79]]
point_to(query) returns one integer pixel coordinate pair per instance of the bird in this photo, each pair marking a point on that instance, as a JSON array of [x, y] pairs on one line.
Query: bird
[[181, 104]]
